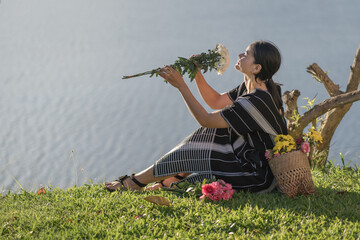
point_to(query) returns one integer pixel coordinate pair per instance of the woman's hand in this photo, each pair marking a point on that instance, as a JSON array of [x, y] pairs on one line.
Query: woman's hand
[[194, 56], [196, 64], [172, 76], [198, 74]]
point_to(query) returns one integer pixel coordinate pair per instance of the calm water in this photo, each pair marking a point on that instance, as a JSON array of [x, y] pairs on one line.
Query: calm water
[[67, 116]]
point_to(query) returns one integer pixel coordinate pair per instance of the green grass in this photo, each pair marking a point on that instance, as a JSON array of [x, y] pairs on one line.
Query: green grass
[[91, 212]]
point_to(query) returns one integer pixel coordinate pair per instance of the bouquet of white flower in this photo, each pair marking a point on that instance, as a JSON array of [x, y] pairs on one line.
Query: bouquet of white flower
[[217, 58]]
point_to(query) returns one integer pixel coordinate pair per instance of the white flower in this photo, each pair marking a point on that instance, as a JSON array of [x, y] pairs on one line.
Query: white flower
[[224, 60]]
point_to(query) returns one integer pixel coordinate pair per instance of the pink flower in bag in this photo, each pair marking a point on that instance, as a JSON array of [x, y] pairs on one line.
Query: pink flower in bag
[[299, 141], [305, 147], [268, 154]]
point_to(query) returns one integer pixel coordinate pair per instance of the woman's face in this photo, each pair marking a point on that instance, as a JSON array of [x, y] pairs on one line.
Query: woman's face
[[245, 63]]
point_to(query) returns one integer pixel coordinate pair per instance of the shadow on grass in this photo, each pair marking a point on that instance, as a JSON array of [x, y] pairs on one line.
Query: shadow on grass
[[326, 202]]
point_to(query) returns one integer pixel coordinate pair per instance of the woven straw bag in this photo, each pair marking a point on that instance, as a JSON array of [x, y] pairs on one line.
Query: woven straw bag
[[292, 173]]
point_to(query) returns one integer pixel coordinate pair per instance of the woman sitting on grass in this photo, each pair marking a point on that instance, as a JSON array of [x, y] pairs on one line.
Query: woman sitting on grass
[[231, 142]]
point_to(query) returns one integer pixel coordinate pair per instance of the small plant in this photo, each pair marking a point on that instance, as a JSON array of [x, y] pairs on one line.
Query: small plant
[[295, 117], [310, 103]]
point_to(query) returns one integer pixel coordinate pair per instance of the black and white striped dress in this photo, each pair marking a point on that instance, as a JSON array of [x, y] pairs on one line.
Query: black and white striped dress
[[234, 154]]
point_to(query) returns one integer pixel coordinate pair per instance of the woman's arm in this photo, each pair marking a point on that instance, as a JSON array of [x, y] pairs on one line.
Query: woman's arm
[[212, 98], [205, 119]]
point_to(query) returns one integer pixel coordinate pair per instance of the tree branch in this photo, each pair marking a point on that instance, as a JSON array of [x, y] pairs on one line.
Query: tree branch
[[321, 76], [331, 122], [354, 78], [325, 106], [290, 100]]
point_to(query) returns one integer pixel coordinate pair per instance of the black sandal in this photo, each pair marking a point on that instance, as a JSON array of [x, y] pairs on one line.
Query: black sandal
[[121, 181], [162, 183], [179, 177]]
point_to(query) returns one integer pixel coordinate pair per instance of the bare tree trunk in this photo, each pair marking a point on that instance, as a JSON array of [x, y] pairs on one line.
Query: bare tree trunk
[[335, 107], [334, 117]]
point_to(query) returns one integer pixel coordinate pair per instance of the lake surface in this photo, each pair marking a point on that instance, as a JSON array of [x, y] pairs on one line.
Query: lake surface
[[67, 117]]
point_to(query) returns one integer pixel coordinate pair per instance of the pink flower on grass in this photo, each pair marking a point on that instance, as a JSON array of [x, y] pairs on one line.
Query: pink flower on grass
[[228, 187], [305, 147], [217, 191], [215, 197], [222, 182], [207, 189], [228, 194], [218, 188], [216, 185]]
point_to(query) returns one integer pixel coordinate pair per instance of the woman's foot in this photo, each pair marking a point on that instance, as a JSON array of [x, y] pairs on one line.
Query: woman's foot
[[155, 186], [125, 182], [164, 183]]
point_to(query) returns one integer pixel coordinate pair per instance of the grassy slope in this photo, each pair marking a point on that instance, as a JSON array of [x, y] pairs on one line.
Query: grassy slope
[[91, 212]]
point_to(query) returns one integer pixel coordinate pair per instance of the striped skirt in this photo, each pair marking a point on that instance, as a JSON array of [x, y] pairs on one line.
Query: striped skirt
[[211, 153]]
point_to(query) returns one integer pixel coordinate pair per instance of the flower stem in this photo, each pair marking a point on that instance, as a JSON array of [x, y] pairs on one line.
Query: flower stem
[[141, 74]]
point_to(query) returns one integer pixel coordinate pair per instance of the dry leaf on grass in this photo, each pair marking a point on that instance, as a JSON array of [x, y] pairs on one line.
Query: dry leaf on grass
[[158, 200], [41, 191]]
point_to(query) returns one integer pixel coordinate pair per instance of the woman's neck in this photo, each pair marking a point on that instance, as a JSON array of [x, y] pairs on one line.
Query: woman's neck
[[251, 84]]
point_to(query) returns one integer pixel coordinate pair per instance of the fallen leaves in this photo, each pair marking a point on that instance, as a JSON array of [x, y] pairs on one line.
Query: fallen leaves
[[41, 191], [158, 200]]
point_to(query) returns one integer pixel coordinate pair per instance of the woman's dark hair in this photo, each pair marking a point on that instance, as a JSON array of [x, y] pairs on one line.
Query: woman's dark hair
[[268, 56]]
